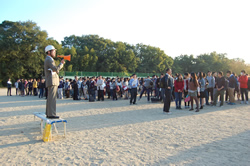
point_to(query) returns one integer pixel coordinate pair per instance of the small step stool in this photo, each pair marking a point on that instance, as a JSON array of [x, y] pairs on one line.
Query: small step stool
[[43, 117]]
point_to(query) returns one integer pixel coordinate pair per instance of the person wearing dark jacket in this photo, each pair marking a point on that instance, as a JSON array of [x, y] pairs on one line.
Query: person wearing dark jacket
[[231, 87], [9, 87], [220, 85], [168, 85]]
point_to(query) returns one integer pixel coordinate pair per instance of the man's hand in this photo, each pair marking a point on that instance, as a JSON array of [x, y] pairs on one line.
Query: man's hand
[[199, 93], [63, 62], [169, 87]]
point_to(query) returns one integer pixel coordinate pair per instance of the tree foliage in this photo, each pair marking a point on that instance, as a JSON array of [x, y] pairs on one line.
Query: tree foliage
[[22, 55]]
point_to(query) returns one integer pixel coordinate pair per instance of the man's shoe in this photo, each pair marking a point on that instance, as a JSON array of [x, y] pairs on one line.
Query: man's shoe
[[246, 102], [169, 113], [242, 102], [191, 109], [53, 117], [139, 98]]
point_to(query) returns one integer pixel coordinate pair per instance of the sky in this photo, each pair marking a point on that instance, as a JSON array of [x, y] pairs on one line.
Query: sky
[[176, 26]]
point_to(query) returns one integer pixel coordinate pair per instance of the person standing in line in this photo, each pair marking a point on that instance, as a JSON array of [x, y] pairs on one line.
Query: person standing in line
[[80, 90], [35, 87], [186, 80], [210, 87], [147, 85], [168, 85], [193, 90], [9, 84], [179, 86], [134, 84], [244, 86], [60, 89], [113, 86], [16, 85], [52, 80], [22, 87], [100, 88], [202, 84], [162, 89], [220, 89], [30, 86], [231, 87]]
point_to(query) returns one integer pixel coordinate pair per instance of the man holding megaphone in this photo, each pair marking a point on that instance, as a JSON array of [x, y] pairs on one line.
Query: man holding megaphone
[[52, 80]]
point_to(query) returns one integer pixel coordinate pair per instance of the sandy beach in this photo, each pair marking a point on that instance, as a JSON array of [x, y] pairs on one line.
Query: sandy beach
[[116, 133]]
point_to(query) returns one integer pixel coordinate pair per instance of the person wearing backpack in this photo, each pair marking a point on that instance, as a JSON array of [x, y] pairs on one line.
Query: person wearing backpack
[[147, 85], [243, 86]]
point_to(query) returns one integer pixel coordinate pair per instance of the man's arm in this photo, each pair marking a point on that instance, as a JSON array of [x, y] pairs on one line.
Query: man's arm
[[51, 64]]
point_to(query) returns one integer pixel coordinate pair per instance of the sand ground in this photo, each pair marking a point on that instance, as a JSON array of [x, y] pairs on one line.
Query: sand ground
[[115, 133]]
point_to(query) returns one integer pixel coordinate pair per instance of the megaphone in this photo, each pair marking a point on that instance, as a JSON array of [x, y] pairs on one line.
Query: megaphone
[[65, 57]]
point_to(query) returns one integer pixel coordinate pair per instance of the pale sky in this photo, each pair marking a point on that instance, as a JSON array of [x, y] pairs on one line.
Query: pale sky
[[175, 26]]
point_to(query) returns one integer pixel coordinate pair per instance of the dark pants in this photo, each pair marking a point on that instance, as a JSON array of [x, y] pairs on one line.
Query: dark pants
[[9, 92], [16, 91], [167, 100], [101, 95], [114, 94], [178, 97], [210, 92], [35, 91], [206, 96], [133, 95], [41, 93], [30, 91], [244, 91], [147, 90]]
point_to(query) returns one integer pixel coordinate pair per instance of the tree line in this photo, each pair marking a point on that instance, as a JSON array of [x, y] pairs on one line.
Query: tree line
[[22, 55]]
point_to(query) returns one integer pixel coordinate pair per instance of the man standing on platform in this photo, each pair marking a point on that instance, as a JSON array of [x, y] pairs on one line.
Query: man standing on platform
[[52, 80], [168, 86]]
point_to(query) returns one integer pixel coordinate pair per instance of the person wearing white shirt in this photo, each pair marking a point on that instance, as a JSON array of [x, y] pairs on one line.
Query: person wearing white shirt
[[16, 85], [100, 88], [9, 83]]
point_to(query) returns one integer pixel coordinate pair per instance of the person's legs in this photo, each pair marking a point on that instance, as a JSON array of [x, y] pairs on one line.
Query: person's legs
[[163, 94], [216, 98], [51, 101], [231, 95], [242, 94], [99, 94], [192, 103], [180, 98], [197, 103], [148, 92], [222, 93], [102, 95], [206, 96], [167, 101], [176, 99], [142, 91]]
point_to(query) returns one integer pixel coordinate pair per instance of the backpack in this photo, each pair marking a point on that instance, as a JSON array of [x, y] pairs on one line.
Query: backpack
[[248, 84]]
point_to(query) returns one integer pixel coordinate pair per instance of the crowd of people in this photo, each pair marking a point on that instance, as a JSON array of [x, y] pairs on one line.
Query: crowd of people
[[201, 88]]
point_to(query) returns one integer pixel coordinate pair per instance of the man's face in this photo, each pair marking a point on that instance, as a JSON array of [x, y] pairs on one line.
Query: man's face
[[53, 53], [209, 73], [170, 72], [134, 76]]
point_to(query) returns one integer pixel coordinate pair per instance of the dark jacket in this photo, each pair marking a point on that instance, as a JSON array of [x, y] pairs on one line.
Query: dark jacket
[[221, 82], [232, 81]]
